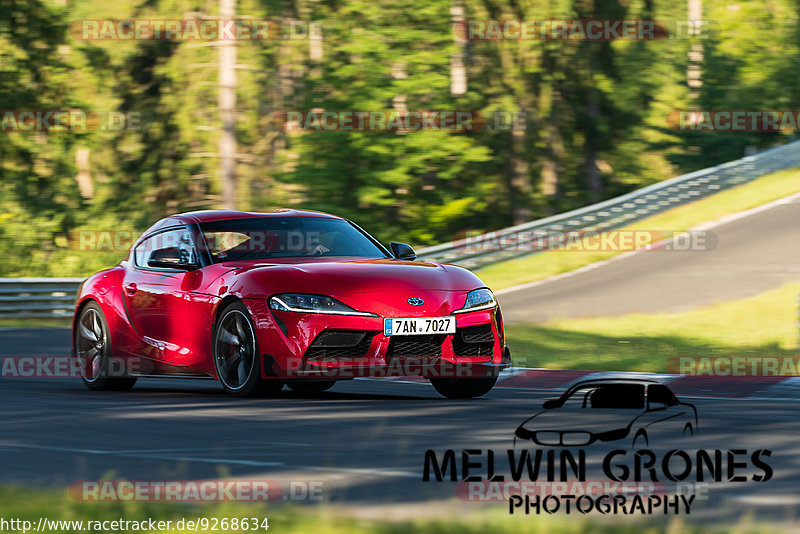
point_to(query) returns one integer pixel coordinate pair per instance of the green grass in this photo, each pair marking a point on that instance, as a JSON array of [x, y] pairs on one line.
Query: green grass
[[764, 325], [747, 196], [62, 322], [30, 505]]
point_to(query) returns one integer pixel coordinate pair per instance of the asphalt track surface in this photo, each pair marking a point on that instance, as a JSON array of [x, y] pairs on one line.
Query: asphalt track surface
[[363, 441], [753, 254]]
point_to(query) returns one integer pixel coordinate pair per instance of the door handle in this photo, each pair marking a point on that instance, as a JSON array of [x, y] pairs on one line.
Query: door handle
[[130, 288]]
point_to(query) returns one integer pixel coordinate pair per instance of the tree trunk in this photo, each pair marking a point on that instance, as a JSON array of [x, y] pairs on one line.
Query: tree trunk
[[227, 107]]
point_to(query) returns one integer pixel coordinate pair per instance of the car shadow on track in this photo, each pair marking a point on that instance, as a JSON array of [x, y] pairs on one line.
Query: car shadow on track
[[212, 391]]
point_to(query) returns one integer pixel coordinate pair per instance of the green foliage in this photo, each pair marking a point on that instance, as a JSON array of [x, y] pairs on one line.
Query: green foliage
[[595, 115]]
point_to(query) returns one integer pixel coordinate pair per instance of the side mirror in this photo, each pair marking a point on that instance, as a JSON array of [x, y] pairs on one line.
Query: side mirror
[[655, 406], [171, 258], [401, 251], [550, 404]]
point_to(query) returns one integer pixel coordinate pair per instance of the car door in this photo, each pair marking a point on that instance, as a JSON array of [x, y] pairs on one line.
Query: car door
[[155, 298]]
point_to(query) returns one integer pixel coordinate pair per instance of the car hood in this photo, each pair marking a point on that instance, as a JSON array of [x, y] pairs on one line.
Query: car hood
[[587, 420], [379, 286]]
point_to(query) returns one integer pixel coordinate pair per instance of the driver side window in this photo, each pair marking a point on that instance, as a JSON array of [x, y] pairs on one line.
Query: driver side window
[[170, 243]]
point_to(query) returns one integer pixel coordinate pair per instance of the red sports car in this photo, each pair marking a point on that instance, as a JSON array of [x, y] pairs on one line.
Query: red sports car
[[302, 298]]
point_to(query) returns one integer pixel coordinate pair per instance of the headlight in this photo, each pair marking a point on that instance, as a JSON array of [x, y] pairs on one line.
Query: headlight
[[480, 299], [298, 302]]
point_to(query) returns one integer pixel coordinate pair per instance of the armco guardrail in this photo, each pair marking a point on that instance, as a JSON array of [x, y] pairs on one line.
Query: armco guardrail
[[54, 297], [616, 212], [37, 297]]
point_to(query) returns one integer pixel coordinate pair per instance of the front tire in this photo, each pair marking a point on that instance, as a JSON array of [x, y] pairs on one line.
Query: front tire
[[464, 388], [99, 370], [237, 359]]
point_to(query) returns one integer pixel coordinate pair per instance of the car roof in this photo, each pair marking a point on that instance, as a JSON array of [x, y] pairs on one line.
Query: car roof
[[219, 215]]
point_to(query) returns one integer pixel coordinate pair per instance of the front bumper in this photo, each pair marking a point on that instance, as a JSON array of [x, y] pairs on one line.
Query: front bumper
[[299, 345]]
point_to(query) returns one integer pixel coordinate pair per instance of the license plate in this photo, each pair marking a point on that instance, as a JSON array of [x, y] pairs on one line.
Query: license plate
[[418, 326]]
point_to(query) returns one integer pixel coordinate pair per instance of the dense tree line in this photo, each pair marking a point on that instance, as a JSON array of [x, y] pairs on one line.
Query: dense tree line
[[594, 114]]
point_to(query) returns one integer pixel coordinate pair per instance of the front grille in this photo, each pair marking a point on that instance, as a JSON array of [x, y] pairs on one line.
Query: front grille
[[474, 342], [415, 346], [340, 344]]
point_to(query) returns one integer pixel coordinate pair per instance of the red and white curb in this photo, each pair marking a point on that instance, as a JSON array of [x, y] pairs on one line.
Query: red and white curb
[[697, 386], [733, 387]]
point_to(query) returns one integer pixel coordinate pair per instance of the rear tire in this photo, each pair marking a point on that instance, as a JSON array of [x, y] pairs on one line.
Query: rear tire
[[237, 359], [99, 371], [310, 386], [464, 388]]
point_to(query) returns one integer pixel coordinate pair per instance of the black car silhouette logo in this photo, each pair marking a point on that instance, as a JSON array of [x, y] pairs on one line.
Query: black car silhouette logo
[[606, 410]]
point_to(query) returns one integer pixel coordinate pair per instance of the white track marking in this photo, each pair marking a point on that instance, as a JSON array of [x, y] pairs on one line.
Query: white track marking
[[703, 226]]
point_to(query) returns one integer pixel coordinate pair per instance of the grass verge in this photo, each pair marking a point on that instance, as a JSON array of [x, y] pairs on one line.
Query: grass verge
[[60, 322], [30, 505], [537, 267], [763, 325]]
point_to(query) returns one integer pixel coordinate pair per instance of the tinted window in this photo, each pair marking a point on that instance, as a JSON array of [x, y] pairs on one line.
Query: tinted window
[[286, 237], [179, 240]]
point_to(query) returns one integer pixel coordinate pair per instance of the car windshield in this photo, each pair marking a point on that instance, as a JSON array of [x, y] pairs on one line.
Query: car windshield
[[607, 396], [286, 237]]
